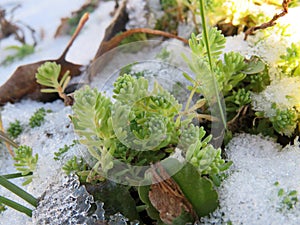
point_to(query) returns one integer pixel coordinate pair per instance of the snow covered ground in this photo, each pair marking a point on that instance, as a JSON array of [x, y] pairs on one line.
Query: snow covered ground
[[249, 194]]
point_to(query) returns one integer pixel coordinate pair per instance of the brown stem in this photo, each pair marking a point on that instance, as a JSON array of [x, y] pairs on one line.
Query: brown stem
[[270, 23], [80, 25], [115, 41]]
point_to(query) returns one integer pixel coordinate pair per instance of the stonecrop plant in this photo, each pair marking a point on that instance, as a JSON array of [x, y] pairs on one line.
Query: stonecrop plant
[[142, 127]]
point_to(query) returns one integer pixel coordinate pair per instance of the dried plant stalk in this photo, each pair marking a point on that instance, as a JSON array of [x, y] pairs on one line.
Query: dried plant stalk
[[270, 23]]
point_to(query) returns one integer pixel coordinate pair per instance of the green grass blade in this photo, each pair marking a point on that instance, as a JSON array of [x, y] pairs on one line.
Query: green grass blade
[[207, 45], [15, 175], [18, 191], [16, 206]]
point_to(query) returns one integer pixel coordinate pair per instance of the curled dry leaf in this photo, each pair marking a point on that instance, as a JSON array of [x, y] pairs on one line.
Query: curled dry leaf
[[23, 83], [166, 196]]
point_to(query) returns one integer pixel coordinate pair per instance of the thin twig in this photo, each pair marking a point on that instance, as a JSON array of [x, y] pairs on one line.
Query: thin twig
[[270, 23], [115, 41], [80, 25], [242, 110]]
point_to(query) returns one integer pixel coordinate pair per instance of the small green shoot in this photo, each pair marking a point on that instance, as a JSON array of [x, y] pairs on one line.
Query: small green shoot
[[14, 129], [38, 117], [48, 75], [25, 162], [288, 198], [74, 165], [2, 208], [21, 52], [63, 150]]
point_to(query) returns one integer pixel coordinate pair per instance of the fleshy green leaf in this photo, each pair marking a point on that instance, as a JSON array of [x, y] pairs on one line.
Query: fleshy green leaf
[[198, 190]]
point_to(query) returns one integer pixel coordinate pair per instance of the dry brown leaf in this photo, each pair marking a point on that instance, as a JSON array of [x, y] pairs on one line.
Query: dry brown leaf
[[23, 82], [166, 196]]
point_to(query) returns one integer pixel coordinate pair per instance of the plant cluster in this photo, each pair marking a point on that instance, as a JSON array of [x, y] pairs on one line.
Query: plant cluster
[[139, 128], [289, 64], [14, 129], [145, 126], [245, 84], [234, 75], [38, 117]]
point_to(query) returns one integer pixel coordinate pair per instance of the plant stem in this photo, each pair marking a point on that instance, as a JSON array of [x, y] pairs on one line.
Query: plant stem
[[141, 208], [205, 35], [15, 175], [18, 191], [206, 40], [16, 206], [8, 142], [190, 99]]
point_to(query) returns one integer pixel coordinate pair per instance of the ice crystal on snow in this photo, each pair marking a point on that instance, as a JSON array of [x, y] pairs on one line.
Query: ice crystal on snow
[[65, 203]]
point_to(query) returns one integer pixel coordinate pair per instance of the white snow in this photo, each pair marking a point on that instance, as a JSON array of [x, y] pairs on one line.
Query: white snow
[[247, 196]]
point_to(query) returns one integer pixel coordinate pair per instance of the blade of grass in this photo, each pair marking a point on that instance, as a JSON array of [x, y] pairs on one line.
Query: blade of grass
[[15, 175], [16, 206], [18, 191], [207, 46]]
